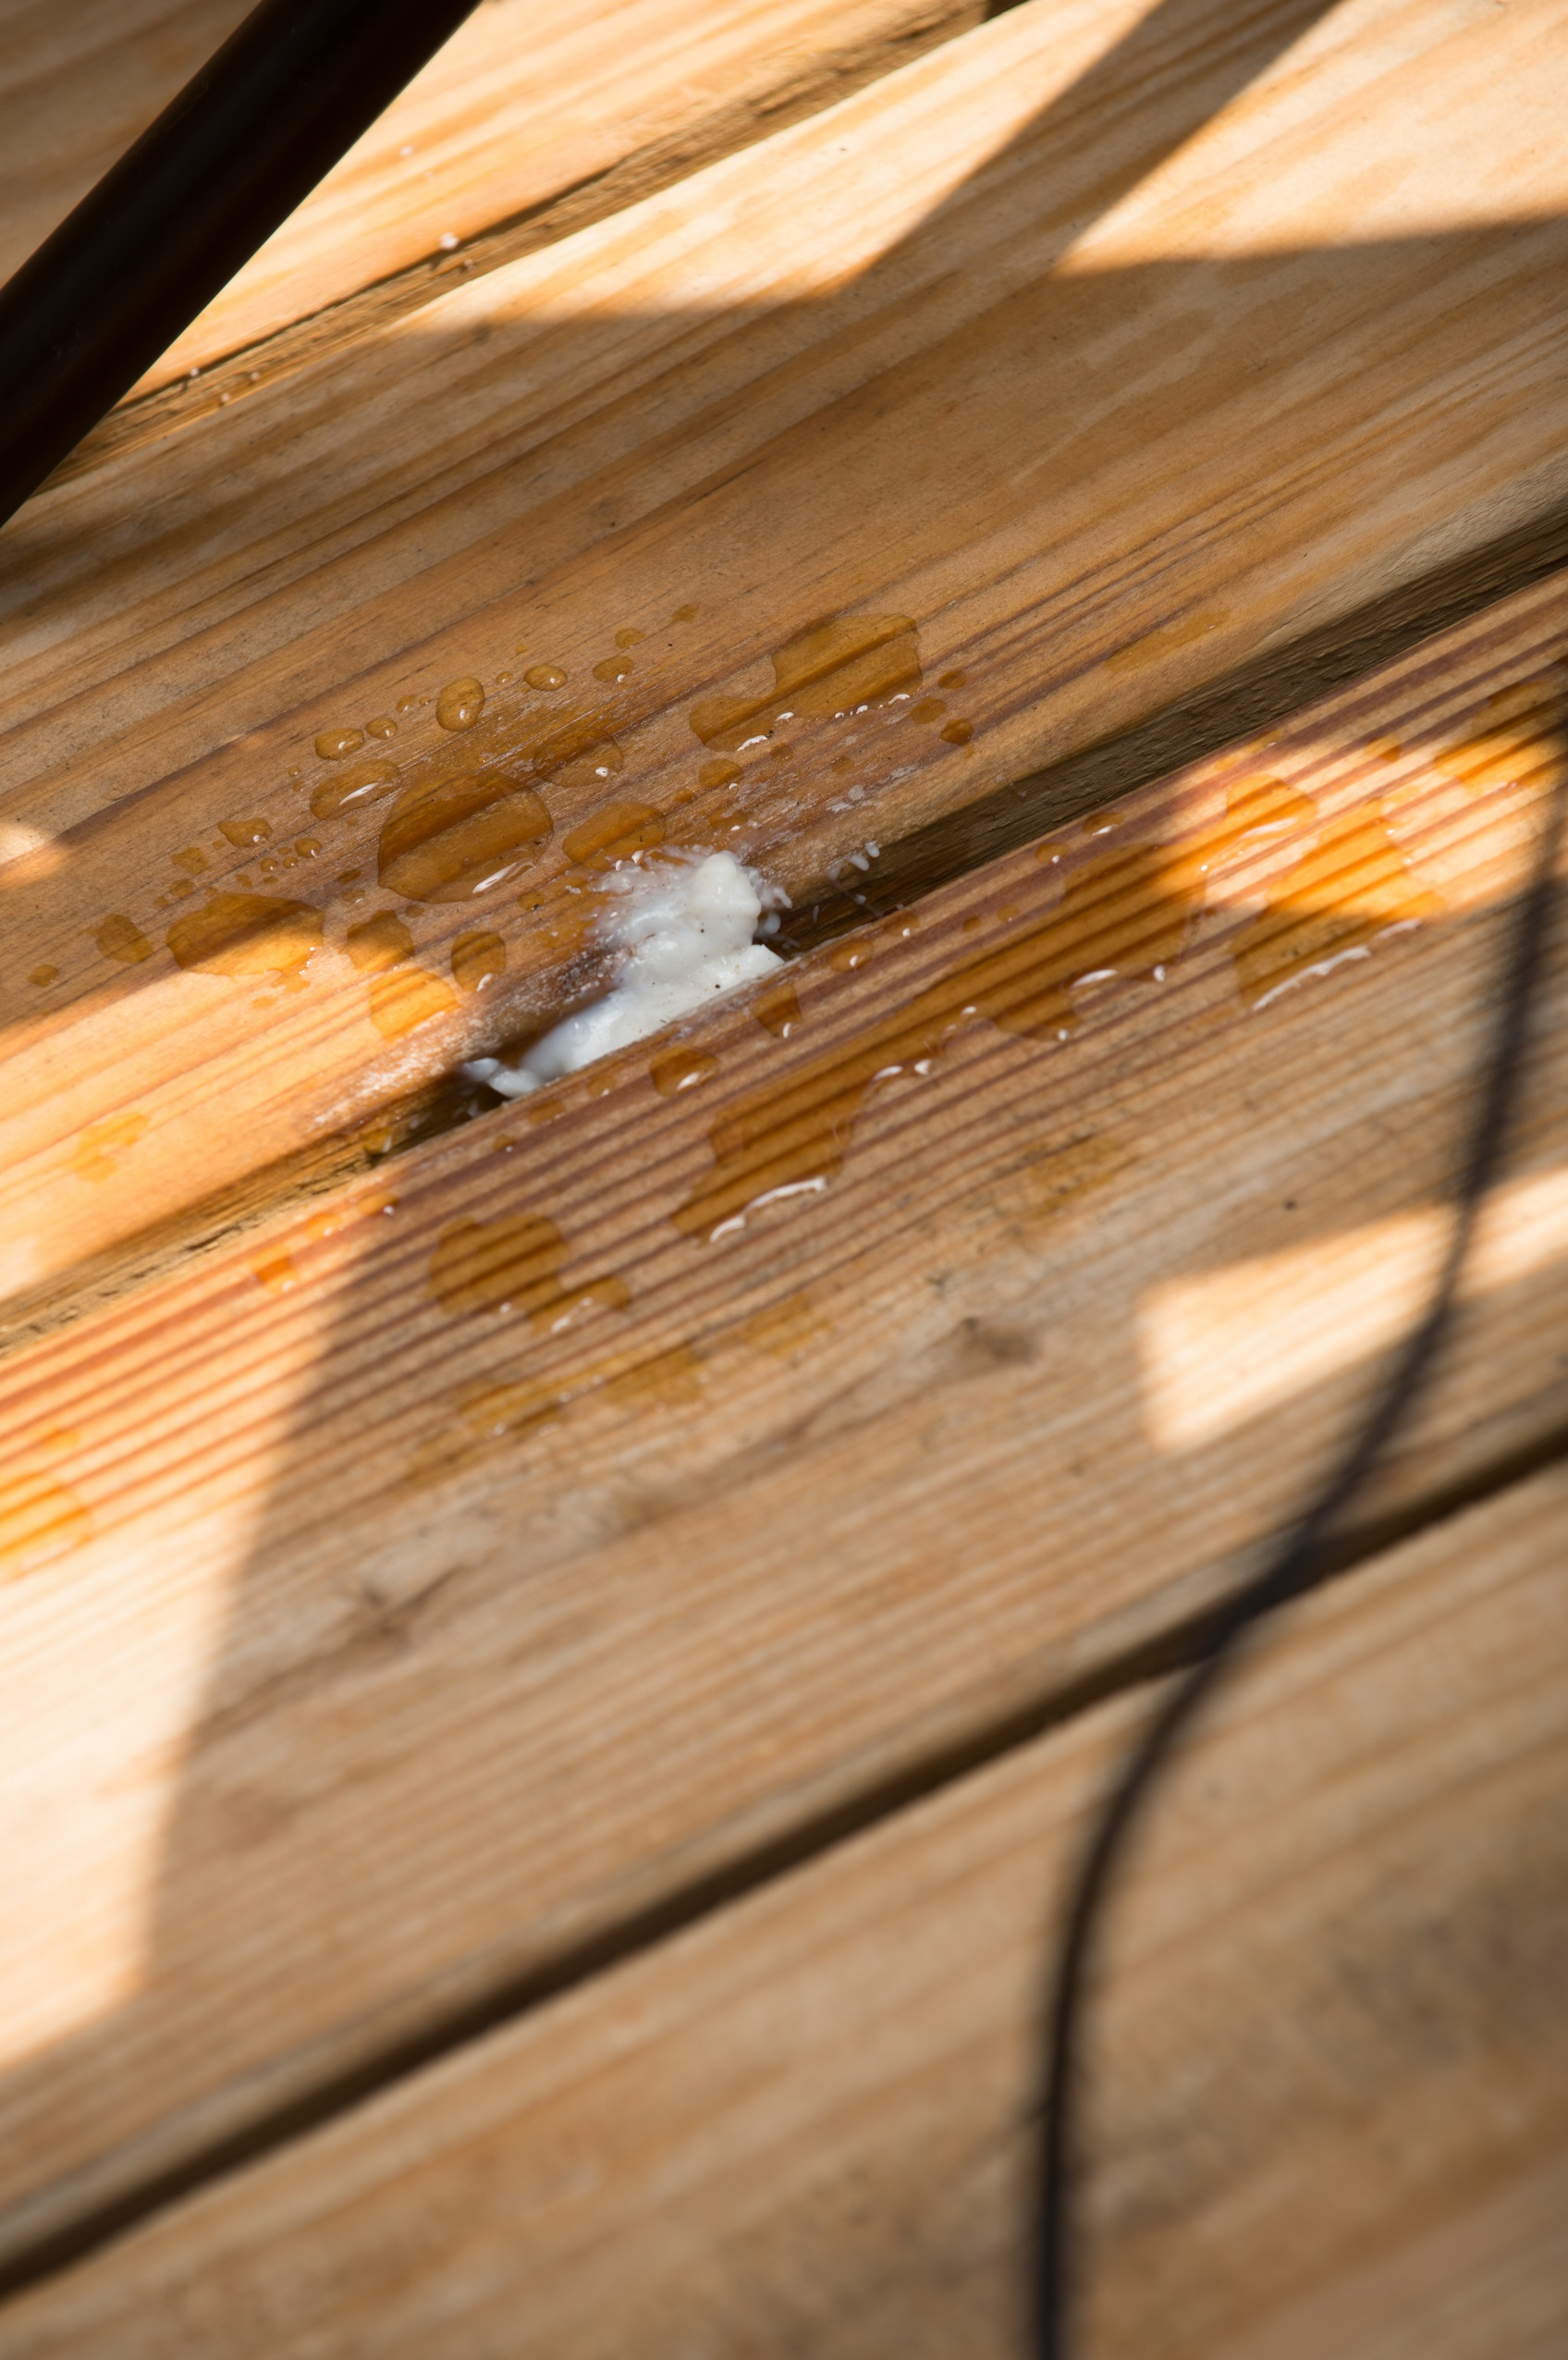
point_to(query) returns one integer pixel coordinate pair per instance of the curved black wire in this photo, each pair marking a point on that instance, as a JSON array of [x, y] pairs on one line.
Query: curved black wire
[[1302, 1561]]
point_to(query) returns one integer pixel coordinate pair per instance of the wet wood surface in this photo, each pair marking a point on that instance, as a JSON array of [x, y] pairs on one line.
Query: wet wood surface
[[1060, 371], [434, 1566], [494, 1551], [1329, 2105]]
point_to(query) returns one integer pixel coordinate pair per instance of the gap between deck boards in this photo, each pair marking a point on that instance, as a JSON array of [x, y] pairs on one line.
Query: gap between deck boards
[[1226, 711], [337, 326], [645, 1930]]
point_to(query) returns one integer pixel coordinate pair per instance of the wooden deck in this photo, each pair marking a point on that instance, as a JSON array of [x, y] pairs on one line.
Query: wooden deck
[[549, 1701]]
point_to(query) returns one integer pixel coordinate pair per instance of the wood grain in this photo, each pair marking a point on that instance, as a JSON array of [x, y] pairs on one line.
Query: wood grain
[[76, 87], [1088, 343], [521, 130], [516, 116], [420, 1588], [1330, 2061]]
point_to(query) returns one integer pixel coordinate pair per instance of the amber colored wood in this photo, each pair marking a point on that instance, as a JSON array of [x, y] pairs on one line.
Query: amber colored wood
[[77, 85], [418, 1588], [524, 121], [1329, 2093], [530, 124], [1089, 345]]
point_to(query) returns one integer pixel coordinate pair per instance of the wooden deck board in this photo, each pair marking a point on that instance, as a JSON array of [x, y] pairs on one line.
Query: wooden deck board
[[346, 1581], [557, 121], [385, 1650], [76, 87], [1329, 2106], [1010, 344]]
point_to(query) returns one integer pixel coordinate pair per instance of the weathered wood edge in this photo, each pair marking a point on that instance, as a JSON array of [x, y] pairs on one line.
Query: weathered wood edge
[[1383, 1721], [1114, 1643], [771, 105]]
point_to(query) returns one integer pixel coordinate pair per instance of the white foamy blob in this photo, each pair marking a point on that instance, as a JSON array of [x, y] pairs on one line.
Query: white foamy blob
[[687, 927]]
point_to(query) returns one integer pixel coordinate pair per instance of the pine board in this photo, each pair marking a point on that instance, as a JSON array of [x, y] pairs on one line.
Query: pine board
[[1329, 2110], [1091, 344], [524, 127], [76, 87], [414, 1590], [519, 127]]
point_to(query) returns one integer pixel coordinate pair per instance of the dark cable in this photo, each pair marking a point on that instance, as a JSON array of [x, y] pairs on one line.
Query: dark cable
[[1302, 1561], [230, 157]]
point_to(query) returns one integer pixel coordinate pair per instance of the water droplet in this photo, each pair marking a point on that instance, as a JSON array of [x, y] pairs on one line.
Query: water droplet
[[306, 846], [684, 614], [627, 637], [1352, 886], [477, 957], [333, 1218], [1520, 744], [245, 832], [929, 708], [193, 860], [1119, 909], [614, 668], [608, 1294], [490, 1411], [120, 938], [513, 1264], [380, 942], [246, 934], [545, 676], [449, 839], [845, 957], [784, 1329], [381, 725], [614, 832], [460, 704], [954, 679], [181, 886], [276, 1270], [842, 664], [366, 782], [103, 1145], [959, 732], [719, 774], [42, 977], [578, 753], [332, 744], [1542, 695], [778, 1010], [680, 1068], [1251, 804]]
